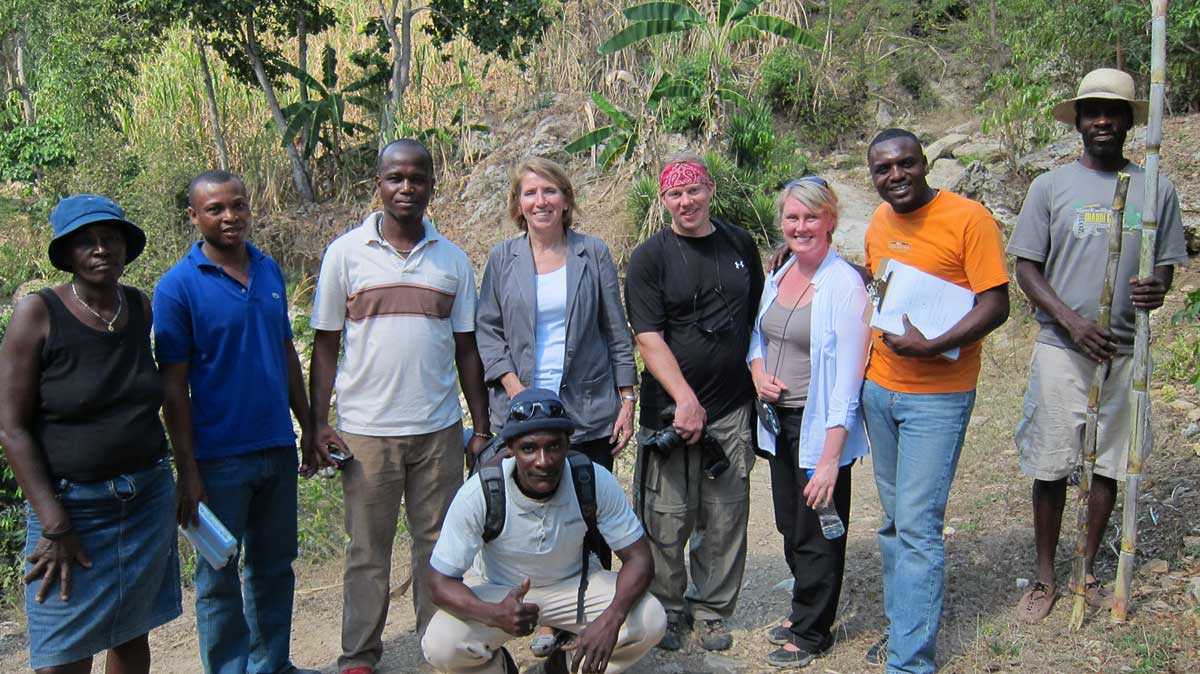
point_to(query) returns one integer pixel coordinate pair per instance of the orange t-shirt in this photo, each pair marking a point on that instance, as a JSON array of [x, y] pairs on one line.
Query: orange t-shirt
[[953, 238]]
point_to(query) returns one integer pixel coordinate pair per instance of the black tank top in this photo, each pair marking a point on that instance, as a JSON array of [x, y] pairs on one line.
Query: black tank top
[[100, 395]]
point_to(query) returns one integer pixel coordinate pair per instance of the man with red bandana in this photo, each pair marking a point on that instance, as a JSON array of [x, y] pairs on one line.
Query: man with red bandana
[[692, 291]]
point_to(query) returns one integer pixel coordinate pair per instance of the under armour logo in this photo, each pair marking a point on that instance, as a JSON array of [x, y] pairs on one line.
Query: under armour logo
[[739, 265]]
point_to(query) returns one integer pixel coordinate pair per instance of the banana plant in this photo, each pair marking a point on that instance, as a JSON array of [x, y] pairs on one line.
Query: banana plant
[[322, 118], [619, 138], [731, 22]]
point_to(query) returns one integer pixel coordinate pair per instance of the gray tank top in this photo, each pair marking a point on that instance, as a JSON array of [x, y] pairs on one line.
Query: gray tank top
[[787, 350]]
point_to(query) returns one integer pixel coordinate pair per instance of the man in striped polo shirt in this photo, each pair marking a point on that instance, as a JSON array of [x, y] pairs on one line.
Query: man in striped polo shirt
[[402, 299]]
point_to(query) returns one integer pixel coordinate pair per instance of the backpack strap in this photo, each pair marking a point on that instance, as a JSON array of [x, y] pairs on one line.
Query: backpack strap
[[492, 479], [583, 476]]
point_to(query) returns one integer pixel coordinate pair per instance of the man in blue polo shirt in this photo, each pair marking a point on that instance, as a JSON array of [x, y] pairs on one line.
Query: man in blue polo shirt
[[224, 345]]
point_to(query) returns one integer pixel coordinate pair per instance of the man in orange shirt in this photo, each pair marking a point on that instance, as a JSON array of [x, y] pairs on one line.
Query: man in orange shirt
[[916, 401]]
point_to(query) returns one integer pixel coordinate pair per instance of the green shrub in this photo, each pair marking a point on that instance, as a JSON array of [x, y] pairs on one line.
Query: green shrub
[[27, 151], [912, 81], [751, 136], [1183, 352], [822, 116], [685, 113], [785, 79]]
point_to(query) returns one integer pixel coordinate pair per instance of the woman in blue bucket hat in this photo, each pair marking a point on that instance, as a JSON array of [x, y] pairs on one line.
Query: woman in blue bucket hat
[[79, 402]]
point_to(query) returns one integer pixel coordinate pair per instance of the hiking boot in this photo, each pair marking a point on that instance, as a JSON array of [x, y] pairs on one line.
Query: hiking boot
[[1036, 603], [714, 635], [545, 644], [877, 654], [676, 634]]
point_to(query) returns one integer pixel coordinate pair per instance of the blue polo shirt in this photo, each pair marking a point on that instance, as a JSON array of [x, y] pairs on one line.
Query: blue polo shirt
[[232, 338]]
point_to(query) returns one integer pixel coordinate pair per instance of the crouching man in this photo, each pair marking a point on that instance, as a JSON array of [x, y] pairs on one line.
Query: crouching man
[[531, 562]]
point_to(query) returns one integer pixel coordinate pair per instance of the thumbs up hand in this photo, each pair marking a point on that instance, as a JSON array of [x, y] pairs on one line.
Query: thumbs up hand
[[515, 615]]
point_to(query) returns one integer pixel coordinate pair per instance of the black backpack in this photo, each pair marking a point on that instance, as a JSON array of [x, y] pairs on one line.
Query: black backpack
[[583, 476]]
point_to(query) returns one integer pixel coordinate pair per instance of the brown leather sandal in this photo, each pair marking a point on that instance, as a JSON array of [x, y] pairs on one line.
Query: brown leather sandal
[[1036, 603]]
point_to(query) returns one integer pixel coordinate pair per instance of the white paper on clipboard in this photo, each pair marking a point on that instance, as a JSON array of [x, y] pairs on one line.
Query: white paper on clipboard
[[933, 305]]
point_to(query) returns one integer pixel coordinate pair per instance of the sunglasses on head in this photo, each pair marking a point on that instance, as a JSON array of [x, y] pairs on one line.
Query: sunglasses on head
[[816, 180], [528, 409]]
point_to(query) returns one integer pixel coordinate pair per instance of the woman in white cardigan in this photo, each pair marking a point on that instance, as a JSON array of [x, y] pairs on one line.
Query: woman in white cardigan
[[807, 357]]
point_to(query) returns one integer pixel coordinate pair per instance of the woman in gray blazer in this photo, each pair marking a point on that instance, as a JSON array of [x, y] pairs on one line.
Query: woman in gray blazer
[[550, 315]]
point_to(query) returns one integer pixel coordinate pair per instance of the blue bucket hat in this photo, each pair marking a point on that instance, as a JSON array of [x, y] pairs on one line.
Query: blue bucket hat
[[77, 211], [535, 409]]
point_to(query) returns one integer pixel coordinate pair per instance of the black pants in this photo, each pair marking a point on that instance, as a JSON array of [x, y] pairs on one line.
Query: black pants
[[600, 452], [817, 564]]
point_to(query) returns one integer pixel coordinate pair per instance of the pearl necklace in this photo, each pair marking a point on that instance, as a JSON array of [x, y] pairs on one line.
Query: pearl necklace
[[108, 324]]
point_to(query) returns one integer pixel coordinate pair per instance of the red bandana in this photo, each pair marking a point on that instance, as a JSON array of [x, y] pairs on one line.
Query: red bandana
[[683, 173]]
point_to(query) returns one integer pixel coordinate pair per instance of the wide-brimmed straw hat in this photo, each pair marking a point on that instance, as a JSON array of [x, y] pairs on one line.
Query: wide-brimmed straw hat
[[80, 210], [1106, 83]]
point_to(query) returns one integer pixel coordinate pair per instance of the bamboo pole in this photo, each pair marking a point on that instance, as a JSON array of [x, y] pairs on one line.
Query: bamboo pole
[[1139, 399], [1088, 451]]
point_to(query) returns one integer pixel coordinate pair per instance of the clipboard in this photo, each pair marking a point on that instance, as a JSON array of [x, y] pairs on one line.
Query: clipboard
[[932, 304]]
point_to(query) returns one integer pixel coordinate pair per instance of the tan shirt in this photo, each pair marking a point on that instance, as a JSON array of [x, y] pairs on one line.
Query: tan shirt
[[787, 334]]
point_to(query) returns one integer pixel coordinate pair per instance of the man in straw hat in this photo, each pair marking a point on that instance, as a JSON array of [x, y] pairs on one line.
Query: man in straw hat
[[1059, 242]]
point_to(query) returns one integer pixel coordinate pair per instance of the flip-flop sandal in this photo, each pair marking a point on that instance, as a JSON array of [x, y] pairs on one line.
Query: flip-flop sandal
[[1096, 596], [1036, 603]]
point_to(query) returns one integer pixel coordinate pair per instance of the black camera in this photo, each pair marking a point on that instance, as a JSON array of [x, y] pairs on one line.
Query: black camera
[[713, 460]]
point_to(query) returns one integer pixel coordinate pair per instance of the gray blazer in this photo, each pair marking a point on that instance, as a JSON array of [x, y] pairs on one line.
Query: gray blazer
[[599, 347]]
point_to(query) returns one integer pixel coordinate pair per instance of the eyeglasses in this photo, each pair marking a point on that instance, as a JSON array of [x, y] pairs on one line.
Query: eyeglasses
[[816, 180], [528, 409], [724, 323]]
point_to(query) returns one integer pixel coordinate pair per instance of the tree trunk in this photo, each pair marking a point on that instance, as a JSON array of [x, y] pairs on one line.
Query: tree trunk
[[214, 115], [401, 63], [22, 83], [302, 63], [299, 173], [1117, 41]]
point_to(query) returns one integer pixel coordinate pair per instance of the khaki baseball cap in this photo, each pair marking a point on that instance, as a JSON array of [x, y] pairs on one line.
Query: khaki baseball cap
[[1106, 83]]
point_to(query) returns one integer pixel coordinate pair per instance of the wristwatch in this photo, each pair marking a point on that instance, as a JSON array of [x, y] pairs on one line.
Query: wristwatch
[[485, 436], [631, 397]]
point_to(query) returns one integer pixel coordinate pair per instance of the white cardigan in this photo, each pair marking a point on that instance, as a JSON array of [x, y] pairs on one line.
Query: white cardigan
[[838, 348]]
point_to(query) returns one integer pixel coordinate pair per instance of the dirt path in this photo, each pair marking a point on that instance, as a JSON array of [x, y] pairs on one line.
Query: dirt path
[[988, 548]]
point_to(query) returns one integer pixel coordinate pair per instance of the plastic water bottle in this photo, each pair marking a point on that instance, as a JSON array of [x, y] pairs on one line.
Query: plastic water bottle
[[211, 539], [831, 523]]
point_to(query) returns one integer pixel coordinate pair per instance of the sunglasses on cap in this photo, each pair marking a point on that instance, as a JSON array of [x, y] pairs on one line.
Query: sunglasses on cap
[[816, 180], [528, 409]]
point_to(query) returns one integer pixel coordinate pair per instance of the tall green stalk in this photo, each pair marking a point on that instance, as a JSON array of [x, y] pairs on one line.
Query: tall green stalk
[[1139, 397], [1088, 451]]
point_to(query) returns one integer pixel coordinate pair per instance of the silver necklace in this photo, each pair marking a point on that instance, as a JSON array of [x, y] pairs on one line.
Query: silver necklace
[[108, 324]]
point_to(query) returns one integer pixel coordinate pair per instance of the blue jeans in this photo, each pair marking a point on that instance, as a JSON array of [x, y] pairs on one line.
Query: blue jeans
[[246, 630], [916, 439]]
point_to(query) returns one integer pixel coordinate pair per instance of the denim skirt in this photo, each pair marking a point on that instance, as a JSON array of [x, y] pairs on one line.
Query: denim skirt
[[127, 528]]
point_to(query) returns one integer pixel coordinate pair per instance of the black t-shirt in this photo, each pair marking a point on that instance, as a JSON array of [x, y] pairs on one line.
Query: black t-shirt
[[702, 294]]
